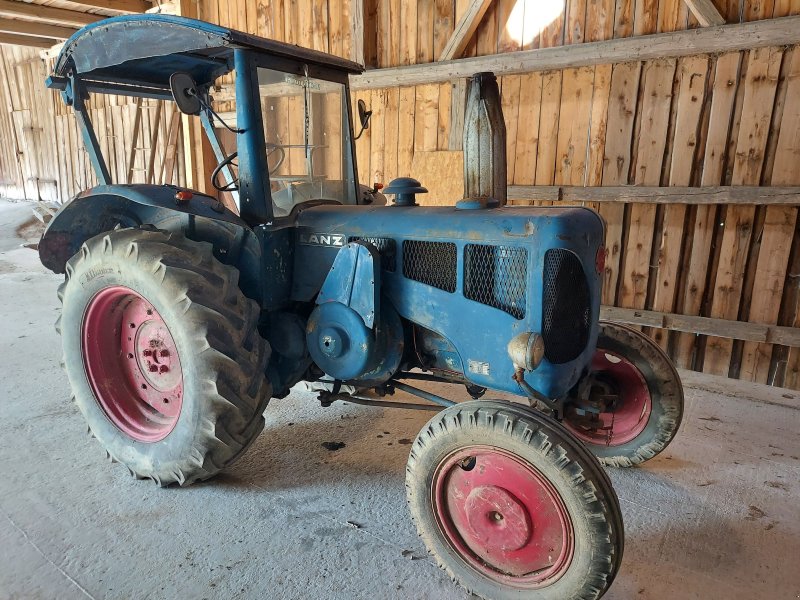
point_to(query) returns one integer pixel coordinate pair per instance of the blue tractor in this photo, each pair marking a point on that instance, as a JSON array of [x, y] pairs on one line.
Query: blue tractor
[[182, 316]]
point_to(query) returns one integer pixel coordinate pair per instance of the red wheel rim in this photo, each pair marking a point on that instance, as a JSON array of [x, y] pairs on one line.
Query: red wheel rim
[[132, 364], [631, 412], [503, 517]]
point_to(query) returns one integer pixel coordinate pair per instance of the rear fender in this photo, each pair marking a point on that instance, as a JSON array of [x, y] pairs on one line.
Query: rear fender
[[201, 218]]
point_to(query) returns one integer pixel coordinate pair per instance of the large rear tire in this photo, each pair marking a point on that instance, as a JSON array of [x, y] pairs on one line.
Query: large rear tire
[[648, 409], [163, 354], [512, 506]]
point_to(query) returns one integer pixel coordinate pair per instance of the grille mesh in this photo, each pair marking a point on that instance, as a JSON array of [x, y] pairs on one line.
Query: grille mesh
[[432, 263], [386, 247], [566, 307], [496, 276]]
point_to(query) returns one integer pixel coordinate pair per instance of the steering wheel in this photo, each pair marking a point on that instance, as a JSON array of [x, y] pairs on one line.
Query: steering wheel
[[228, 160]]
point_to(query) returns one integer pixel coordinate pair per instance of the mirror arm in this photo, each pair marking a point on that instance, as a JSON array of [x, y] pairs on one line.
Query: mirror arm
[[207, 107], [364, 123]]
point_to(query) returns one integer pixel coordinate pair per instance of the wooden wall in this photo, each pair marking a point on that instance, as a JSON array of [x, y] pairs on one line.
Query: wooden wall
[[707, 120]]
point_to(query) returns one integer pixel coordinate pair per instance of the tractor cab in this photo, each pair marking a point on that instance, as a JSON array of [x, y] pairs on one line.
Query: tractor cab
[[289, 140]]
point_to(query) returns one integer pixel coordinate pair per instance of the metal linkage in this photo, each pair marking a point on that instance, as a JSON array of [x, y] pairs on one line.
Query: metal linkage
[[382, 403], [422, 394]]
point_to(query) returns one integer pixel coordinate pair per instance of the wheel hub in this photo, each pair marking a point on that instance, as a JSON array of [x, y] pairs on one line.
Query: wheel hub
[[618, 405], [132, 364], [503, 517]]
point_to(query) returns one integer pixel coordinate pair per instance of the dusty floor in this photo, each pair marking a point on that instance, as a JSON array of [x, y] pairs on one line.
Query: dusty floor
[[716, 516]]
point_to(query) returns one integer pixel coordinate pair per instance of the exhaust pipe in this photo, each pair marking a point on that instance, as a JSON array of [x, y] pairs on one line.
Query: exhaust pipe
[[485, 175]]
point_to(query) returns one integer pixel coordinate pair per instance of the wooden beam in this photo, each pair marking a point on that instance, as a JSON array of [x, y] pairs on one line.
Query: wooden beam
[[46, 14], [659, 195], [705, 12], [464, 30], [25, 40], [737, 330], [357, 31], [122, 6], [709, 40], [37, 29]]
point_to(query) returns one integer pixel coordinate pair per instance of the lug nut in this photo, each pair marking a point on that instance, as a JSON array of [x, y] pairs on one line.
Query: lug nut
[[164, 353], [147, 353], [153, 368], [163, 369]]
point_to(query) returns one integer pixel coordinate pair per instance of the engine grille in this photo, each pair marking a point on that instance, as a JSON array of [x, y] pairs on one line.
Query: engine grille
[[496, 276], [432, 263], [566, 307], [387, 248]]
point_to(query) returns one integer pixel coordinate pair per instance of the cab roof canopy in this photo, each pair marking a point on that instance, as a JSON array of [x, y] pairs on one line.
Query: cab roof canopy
[[144, 50]]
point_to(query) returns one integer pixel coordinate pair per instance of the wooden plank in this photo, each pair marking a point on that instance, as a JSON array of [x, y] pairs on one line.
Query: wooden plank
[[729, 329], [759, 94], [643, 194], [26, 40], [391, 132], [623, 18], [573, 126], [616, 165], [46, 14], [458, 103], [357, 31], [170, 151], [548, 128], [784, 362], [509, 98], [134, 139], [655, 110], [445, 102], [510, 21], [527, 146], [575, 21], [120, 6], [705, 12], [598, 126], [378, 122], [672, 15], [645, 17], [155, 129], [486, 34], [692, 73], [408, 38], [600, 21], [709, 40], [425, 31], [464, 29], [405, 138], [426, 121], [45, 30]]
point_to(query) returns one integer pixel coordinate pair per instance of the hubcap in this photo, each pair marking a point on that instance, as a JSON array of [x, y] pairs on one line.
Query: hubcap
[[503, 517], [132, 364], [619, 421]]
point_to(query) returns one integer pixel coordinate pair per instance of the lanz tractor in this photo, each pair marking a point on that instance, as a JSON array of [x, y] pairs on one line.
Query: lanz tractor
[[182, 317]]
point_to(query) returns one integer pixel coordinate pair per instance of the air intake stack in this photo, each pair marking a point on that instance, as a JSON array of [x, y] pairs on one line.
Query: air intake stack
[[484, 142]]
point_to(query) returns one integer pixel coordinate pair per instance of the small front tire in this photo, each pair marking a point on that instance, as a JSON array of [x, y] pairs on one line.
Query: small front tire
[[512, 506]]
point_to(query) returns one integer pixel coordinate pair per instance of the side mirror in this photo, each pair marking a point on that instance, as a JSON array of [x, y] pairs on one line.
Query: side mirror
[[363, 114], [184, 92]]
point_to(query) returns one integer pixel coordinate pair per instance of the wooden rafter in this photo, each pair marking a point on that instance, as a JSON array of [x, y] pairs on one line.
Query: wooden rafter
[[465, 28], [709, 40], [759, 195], [25, 40], [705, 12], [46, 14], [122, 6], [45, 30]]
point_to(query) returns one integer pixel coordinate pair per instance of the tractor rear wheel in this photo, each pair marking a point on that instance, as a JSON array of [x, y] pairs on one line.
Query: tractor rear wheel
[[512, 506], [163, 354], [640, 404]]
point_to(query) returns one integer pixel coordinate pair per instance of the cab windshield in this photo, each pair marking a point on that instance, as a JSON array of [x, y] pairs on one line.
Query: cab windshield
[[307, 139]]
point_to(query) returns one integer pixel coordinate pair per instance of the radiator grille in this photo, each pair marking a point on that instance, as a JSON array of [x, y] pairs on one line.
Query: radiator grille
[[432, 263], [496, 276], [566, 307], [387, 248]]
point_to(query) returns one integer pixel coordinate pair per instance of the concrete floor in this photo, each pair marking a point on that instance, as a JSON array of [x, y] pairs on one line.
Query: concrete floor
[[715, 516]]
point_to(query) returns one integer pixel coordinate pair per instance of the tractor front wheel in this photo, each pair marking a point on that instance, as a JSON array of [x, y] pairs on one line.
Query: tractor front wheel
[[512, 506], [634, 402], [163, 354]]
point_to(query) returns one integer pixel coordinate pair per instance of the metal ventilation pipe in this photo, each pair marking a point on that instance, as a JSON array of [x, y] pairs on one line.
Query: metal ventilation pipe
[[484, 141]]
